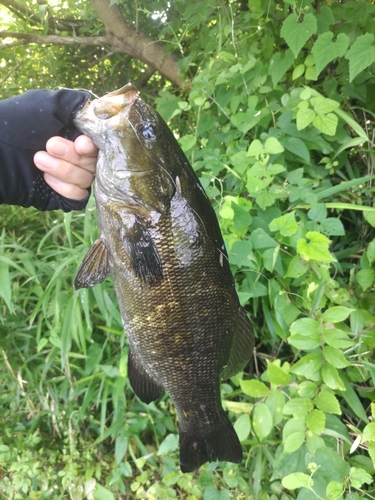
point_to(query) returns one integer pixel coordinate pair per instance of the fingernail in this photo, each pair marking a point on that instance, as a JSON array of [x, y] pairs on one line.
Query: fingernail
[[44, 160], [58, 148]]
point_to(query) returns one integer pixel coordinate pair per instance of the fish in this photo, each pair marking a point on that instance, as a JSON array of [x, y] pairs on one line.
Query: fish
[[161, 241]]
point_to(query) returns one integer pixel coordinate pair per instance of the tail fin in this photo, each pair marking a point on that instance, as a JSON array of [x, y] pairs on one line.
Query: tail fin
[[219, 444]]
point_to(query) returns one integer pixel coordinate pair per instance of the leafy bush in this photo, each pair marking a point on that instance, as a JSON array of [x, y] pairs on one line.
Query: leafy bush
[[278, 124]]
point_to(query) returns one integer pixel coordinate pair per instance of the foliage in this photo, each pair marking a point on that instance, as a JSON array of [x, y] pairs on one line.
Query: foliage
[[278, 124]]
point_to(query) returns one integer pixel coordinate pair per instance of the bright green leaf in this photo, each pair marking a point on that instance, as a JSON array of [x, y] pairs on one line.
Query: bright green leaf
[[335, 357], [327, 124], [336, 314], [262, 421], [309, 366], [325, 51], [279, 65], [293, 442], [297, 480], [276, 375], [254, 388], [359, 476], [327, 402], [360, 55], [331, 377], [334, 490], [297, 33], [242, 426], [272, 146], [315, 247], [298, 407], [365, 278], [369, 432], [315, 421]]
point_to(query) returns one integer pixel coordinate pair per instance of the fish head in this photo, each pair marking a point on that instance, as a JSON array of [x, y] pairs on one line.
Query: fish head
[[134, 152]]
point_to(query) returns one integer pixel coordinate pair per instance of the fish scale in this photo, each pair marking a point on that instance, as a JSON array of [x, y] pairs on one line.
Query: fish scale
[[161, 242]]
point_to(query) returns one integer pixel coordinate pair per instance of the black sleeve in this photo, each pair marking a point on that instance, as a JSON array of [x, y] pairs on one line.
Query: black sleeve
[[27, 122]]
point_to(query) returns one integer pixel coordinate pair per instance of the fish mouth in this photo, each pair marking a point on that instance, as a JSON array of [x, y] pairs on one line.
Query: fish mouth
[[115, 102]]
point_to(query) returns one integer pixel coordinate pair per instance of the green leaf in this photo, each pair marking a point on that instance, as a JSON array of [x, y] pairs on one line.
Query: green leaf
[[309, 366], [335, 357], [298, 407], [332, 227], [331, 378], [101, 493], [279, 65], [365, 278], [337, 338], [262, 421], [326, 123], [317, 213], [255, 148], [316, 421], [187, 142], [272, 146], [360, 55], [327, 402], [242, 426], [370, 252], [359, 476], [297, 480], [336, 314], [305, 327], [298, 71], [325, 51], [296, 34], [369, 432], [276, 375], [304, 117], [297, 147], [307, 389], [315, 247], [334, 490], [168, 445], [265, 199], [293, 442], [275, 402], [286, 224], [297, 268], [305, 343], [254, 388]]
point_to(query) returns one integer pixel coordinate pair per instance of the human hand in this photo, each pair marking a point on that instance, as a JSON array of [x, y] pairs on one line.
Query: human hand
[[68, 166]]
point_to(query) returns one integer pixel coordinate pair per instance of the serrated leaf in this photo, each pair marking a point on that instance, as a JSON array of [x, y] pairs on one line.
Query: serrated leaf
[[359, 476], [298, 407], [297, 33], [360, 55], [254, 388], [316, 421], [336, 314], [297, 480], [279, 65], [262, 421], [335, 357], [286, 224], [331, 378], [325, 51], [304, 117], [327, 402], [307, 389], [309, 366], [315, 247], [276, 375]]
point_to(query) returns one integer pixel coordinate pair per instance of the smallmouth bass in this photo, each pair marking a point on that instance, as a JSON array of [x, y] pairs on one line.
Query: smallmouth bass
[[161, 242]]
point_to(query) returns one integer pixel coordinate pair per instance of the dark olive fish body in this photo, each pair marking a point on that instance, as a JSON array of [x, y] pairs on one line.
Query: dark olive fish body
[[160, 240]]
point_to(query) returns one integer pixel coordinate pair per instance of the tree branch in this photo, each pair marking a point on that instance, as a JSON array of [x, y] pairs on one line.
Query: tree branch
[[55, 39]]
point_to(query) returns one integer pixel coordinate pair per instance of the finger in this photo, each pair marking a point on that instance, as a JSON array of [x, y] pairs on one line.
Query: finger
[[65, 149], [63, 170], [85, 146], [71, 191]]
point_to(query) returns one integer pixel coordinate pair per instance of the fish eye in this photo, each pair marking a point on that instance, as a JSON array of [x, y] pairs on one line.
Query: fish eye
[[147, 130]]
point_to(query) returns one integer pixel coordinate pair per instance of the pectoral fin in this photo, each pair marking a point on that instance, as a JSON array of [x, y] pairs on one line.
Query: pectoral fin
[[145, 387], [142, 252], [94, 268], [242, 345]]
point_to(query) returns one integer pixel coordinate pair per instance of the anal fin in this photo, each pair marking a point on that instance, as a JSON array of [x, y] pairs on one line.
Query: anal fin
[[145, 387], [242, 345], [94, 268]]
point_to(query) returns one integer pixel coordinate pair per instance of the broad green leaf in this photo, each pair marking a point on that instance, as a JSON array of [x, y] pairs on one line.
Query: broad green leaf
[[369, 432], [293, 442], [305, 327], [262, 421], [307, 389], [358, 477], [323, 105], [331, 377], [121, 446], [298, 71], [275, 402], [265, 199], [187, 142], [272, 146], [101, 493], [168, 445], [327, 402], [286, 224], [360, 55], [336, 314], [242, 426], [370, 252], [297, 268], [315, 421], [297, 147], [260, 239], [240, 253], [317, 213], [309, 366], [335, 357], [332, 227], [365, 278], [255, 149], [298, 407], [254, 388], [325, 51], [297, 480], [276, 375], [304, 117], [211, 493], [297, 33], [326, 123], [305, 343], [334, 490], [337, 338], [238, 406], [294, 425], [279, 65], [315, 247]]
